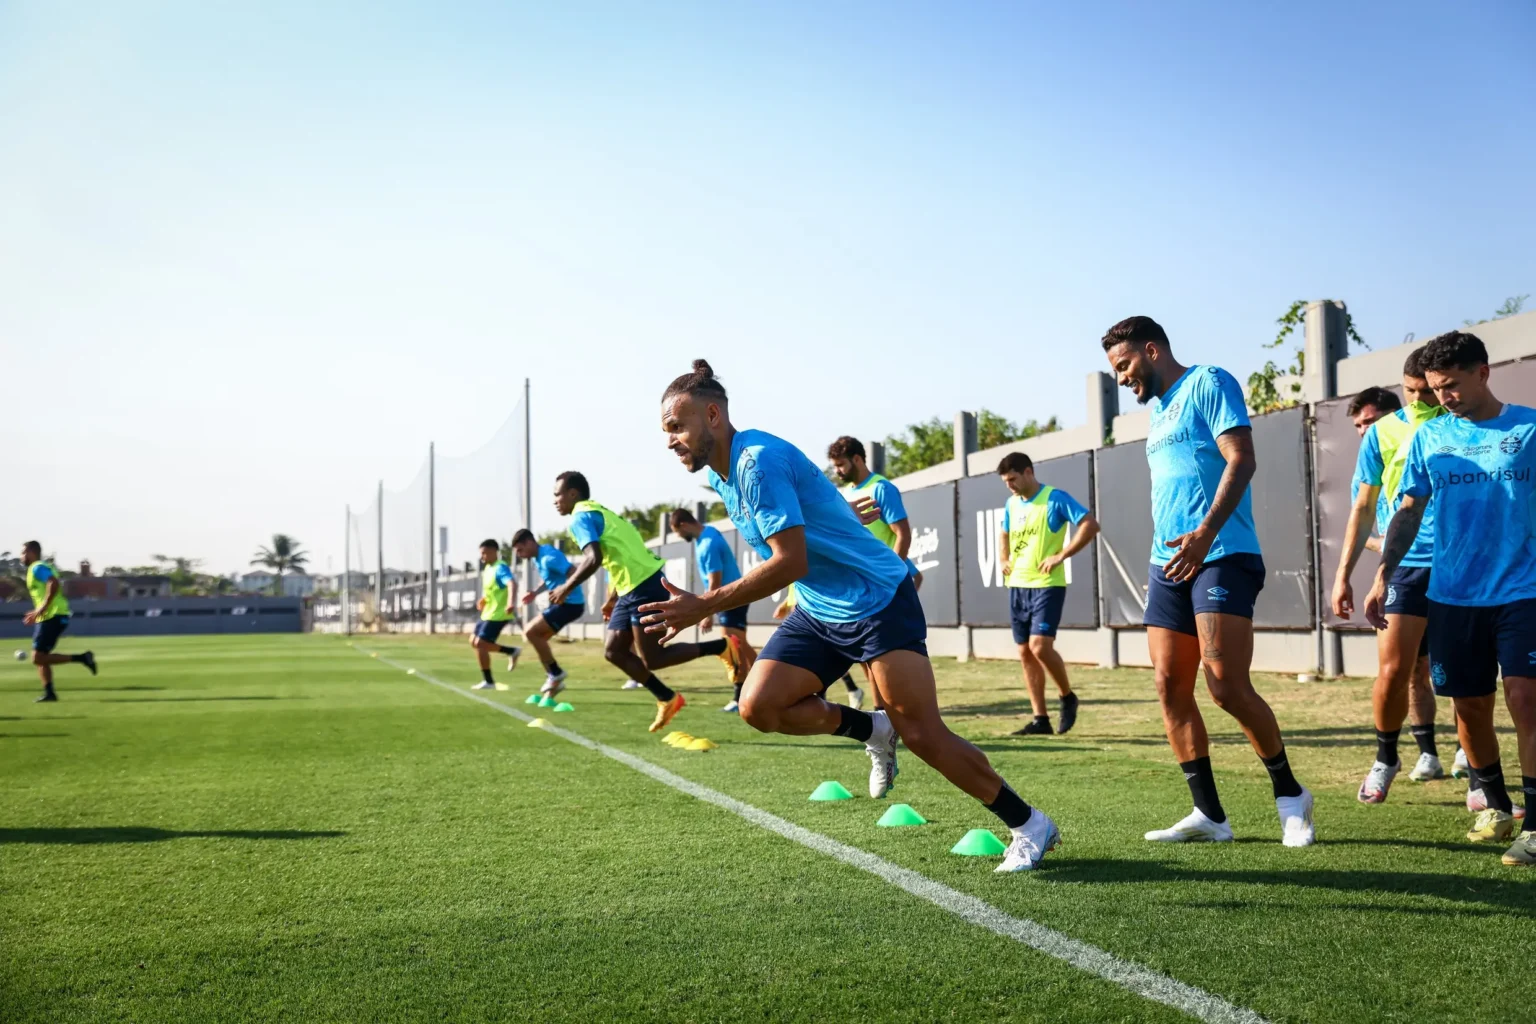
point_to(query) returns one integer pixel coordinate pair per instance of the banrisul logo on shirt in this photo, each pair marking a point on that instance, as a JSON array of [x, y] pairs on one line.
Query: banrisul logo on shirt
[[1451, 478]]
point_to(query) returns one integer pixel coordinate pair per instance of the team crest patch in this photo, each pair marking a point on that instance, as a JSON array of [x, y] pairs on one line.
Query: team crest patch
[[1511, 444], [1391, 594], [1437, 673]]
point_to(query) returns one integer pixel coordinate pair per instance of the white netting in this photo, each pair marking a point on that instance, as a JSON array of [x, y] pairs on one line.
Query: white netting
[[480, 495]]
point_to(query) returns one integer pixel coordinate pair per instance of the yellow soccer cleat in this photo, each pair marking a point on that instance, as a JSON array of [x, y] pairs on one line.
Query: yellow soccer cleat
[[1492, 826], [1523, 853], [666, 710], [737, 661]]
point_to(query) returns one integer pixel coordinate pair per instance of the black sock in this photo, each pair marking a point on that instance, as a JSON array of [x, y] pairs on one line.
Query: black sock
[[77, 658], [1528, 783], [848, 682], [1069, 698], [1280, 776], [1043, 718], [737, 695], [48, 686], [1386, 745], [1424, 736], [1010, 807], [486, 673], [1491, 781], [504, 649], [553, 668], [711, 647], [1202, 786], [659, 690], [856, 725]]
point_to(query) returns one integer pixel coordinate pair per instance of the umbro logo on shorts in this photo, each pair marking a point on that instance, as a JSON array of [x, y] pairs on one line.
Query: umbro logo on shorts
[[1217, 593]]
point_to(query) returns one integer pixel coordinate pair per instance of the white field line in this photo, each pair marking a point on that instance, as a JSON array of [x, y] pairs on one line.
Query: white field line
[[1143, 981]]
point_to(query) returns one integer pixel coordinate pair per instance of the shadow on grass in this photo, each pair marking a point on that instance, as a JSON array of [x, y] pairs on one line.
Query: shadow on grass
[[104, 689], [172, 700], [30, 735], [1510, 894], [91, 835]]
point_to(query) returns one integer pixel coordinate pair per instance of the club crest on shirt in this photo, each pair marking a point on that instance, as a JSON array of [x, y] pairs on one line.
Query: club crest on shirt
[[1511, 444]]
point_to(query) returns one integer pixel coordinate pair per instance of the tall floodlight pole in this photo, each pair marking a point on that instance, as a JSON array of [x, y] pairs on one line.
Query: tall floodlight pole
[[527, 488], [346, 577], [378, 582], [431, 536]]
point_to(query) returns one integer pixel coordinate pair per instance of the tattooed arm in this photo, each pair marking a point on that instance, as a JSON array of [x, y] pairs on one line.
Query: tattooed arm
[[1394, 548]]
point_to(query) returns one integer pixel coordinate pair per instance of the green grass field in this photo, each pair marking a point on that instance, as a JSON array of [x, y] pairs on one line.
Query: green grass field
[[283, 828]]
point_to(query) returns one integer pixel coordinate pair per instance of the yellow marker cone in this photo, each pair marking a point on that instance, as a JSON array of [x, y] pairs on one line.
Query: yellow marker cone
[[680, 740], [700, 744], [538, 723], [374, 654], [669, 737], [410, 671]]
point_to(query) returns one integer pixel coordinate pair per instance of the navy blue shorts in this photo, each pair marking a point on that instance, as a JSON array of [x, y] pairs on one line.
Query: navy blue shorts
[[735, 618], [1468, 646], [626, 610], [1035, 611], [1408, 594], [829, 649], [561, 615], [1227, 586], [45, 634], [489, 629]]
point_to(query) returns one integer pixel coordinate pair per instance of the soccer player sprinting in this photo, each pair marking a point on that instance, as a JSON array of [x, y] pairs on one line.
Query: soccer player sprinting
[[856, 604], [1402, 674], [49, 618], [1475, 467], [855, 695], [609, 540], [553, 568], [1206, 572], [889, 524], [497, 588], [717, 567], [1034, 541]]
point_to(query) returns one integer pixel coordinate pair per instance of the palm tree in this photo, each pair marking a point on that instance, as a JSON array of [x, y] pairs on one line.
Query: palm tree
[[284, 553]]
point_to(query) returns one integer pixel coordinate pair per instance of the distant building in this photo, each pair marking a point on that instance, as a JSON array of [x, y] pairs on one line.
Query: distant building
[[295, 584], [138, 586]]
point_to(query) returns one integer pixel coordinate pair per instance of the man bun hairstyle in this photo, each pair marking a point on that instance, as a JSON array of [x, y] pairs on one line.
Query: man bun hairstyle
[[1014, 462], [1455, 350], [846, 447], [573, 481], [701, 382], [1385, 401], [523, 536], [1138, 330]]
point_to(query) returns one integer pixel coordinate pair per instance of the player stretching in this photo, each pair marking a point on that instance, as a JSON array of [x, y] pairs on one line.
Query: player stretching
[[609, 540], [1206, 572], [497, 588], [1475, 468], [856, 604], [717, 567], [49, 618], [1034, 539], [1402, 675], [855, 695], [554, 567]]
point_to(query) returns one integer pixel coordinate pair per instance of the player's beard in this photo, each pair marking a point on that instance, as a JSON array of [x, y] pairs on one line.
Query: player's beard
[[698, 457]]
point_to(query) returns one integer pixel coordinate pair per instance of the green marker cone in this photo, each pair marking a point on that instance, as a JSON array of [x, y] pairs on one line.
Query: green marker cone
[[831, 790], [565, 706], [902, 814], [978, 842], [532, 698], [546, 701]]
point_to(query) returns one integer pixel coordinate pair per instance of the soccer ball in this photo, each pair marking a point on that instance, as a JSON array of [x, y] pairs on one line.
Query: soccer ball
[[21, 655]]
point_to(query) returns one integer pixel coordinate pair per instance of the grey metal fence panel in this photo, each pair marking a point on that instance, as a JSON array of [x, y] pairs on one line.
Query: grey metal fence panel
[[1123, 495], [983, 597], [168, 616], [1282, 515], [931, 514]]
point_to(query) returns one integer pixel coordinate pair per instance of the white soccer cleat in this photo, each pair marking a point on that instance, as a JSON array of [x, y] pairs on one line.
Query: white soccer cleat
[[1461, 768], [553, 684], [1377, 782], [881, 749], [483, 685], [517, 652], [1193, 828], [1296, 828], [1428, 768], [856, 699], [1031, 842], [630, 684], [734, 707], [1477, 802]]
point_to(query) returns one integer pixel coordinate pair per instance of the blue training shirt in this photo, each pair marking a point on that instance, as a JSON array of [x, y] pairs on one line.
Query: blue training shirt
[[586, 528], [554, 567], [888, 497], [715, 555], [1485, 510], [773, 487], [1060, 509], [1204, 403], [1369, 467]]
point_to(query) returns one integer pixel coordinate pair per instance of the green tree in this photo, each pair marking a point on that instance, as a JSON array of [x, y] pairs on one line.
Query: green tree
[[284, 554], [1264, 387], [1512, 306], [933, 441], [185, 579]]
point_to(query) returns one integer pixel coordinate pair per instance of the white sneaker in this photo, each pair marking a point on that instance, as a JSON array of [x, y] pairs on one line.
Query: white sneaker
[[483, 685], [1377, 782], [733, 707], [1296, 828], [630, 684], [881, 749], [1429, 767], [1031, 842], [1193, 828], [516, 652], [553, 684], [856, 699], [1461, 768]]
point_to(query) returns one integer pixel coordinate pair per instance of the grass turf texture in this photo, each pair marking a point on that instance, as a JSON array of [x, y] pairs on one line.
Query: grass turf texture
[[283, 828]]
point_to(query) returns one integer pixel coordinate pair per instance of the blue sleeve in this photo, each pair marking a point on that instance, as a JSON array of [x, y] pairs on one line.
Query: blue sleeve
[[1006, 506], [43, 573], [889, 499], [1368, 464], [768, 487], [504, 574], [711, 558], [1219, 400], [555, 560], [586, 527], [1416, 479], [1062, 509]]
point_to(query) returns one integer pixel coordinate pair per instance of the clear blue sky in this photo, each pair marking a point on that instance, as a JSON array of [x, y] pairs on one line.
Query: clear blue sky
[[252, 261]]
